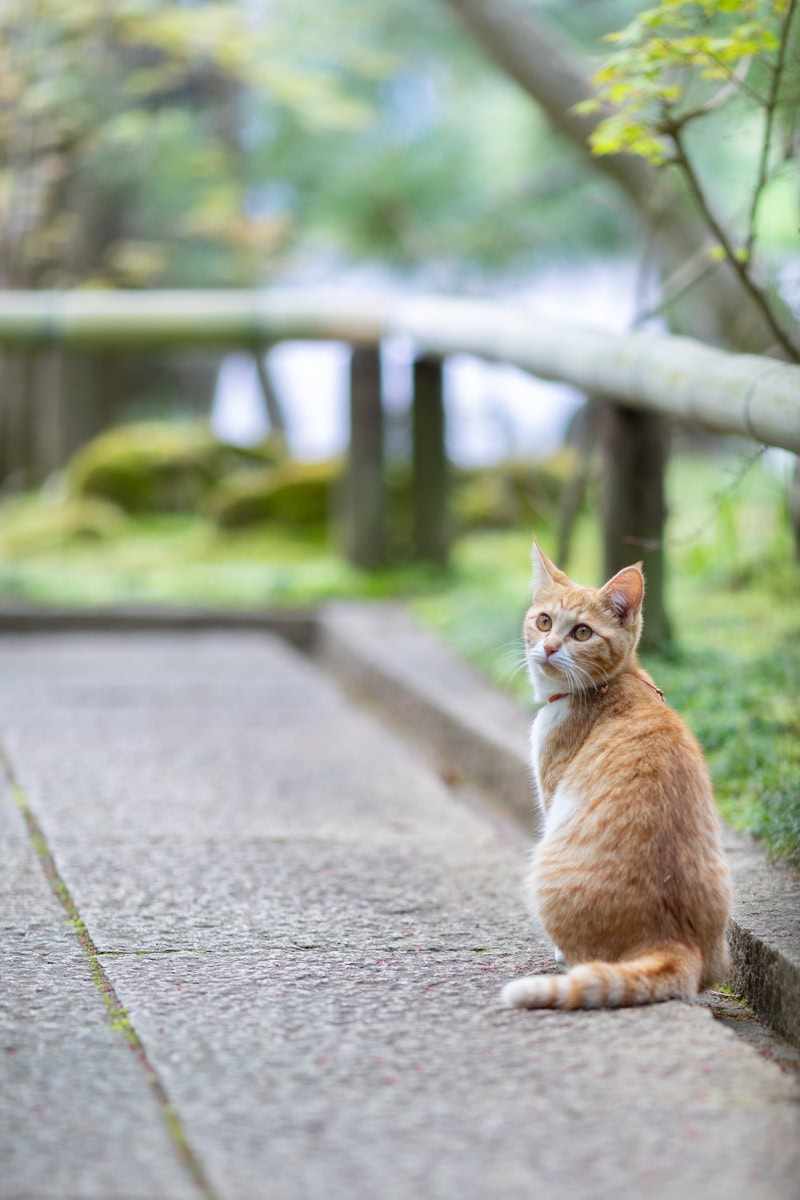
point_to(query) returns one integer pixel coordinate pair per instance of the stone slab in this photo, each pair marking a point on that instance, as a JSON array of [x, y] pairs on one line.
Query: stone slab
[[77, 1117], [384, 1075], [302, 893], [383, 657]]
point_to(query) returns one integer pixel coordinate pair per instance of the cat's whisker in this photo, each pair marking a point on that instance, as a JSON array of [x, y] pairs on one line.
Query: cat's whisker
[[511, 663], [579, 678], [507, 677], [585, 680], [513, 653], [515, 646]]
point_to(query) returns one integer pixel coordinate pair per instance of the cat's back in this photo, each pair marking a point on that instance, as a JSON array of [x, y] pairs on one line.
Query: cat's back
[[633, 761], [635, 731]]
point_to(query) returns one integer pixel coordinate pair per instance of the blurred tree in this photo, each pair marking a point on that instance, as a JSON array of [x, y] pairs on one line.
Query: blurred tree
[[150, 143], [705, 292], [123, 131], [139, 110], [450, 146]]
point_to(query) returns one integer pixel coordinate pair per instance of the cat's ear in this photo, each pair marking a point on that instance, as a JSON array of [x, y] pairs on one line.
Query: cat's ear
[[624, 594], [544, 572]]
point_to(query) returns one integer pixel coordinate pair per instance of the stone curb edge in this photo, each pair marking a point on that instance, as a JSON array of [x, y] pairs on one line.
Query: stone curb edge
[[381, 656]]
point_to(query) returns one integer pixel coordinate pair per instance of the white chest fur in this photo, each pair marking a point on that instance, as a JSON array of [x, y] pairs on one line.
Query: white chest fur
[[546, 721]]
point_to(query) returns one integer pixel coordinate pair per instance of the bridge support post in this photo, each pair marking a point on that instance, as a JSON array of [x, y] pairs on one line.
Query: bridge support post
[[634, 450], [365, 518], [431, 528]]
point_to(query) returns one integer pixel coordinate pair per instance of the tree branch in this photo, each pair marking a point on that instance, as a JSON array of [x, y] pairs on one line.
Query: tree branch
[[720, 97], [769, 120], [742, 268]]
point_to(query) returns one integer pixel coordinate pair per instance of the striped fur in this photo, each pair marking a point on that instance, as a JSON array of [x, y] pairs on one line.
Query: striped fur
[[662, 973], [629, 879]]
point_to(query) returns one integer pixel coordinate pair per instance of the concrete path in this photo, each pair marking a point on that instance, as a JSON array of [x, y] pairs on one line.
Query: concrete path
[[252, 945]]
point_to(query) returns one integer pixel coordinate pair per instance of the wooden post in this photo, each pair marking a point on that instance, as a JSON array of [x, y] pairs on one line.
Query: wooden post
[[794, 507], [429, 463], [635, 446], [53, 439], [16, 452], [274, 410], [365, 503]]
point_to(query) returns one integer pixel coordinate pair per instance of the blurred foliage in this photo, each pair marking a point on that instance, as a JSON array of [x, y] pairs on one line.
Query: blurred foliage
[[33, 524], [665, 60], [182, 467], [513, 494], [149, 143], [123, 128], [222, 142]]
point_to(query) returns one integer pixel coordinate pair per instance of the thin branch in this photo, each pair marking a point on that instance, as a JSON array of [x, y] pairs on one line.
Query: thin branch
[[742, 85], [766, 144], [741, 268], [678, 284], [736, 77], [729, 89], [717, 502]]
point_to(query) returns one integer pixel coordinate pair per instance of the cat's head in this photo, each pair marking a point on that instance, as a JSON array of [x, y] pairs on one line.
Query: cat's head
[[577, 638]]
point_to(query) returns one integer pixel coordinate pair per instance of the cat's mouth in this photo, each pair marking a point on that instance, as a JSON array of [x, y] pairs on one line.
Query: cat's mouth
[[551, 669], [545, 663]]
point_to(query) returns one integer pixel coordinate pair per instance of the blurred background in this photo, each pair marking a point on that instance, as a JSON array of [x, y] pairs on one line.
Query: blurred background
[[395, 147]]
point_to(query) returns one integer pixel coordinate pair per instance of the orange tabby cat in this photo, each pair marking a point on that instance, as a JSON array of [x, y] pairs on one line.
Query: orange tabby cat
[[629, 879]]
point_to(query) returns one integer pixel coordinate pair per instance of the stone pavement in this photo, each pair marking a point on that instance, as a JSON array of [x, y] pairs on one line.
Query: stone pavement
[[252, 945]]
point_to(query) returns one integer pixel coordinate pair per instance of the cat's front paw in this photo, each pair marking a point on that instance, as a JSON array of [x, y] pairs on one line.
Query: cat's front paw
[[558, 955]]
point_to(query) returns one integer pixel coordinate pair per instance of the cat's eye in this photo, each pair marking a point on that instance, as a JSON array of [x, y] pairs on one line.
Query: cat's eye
[[581, 633], [544, 622]]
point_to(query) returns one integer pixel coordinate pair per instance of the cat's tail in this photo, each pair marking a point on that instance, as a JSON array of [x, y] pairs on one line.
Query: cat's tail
[[670, 971]]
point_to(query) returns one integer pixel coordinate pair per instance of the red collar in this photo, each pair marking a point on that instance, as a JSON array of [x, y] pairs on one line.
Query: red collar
[[603, 688]]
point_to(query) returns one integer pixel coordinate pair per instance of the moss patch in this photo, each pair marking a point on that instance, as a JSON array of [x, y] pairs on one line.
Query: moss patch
[[154, 466], [297, 495]]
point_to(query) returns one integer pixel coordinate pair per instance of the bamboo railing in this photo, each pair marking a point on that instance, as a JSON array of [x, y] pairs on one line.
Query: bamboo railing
[[731, 393]]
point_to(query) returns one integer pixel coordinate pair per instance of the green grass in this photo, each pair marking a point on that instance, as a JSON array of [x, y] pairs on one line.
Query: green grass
[[184, 560], [733, 597]]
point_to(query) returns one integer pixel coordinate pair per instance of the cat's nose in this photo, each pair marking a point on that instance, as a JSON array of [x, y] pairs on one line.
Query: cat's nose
[[549, 648]]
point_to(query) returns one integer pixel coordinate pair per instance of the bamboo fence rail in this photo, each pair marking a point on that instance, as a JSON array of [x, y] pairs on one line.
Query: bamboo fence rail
[[676, 376]]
